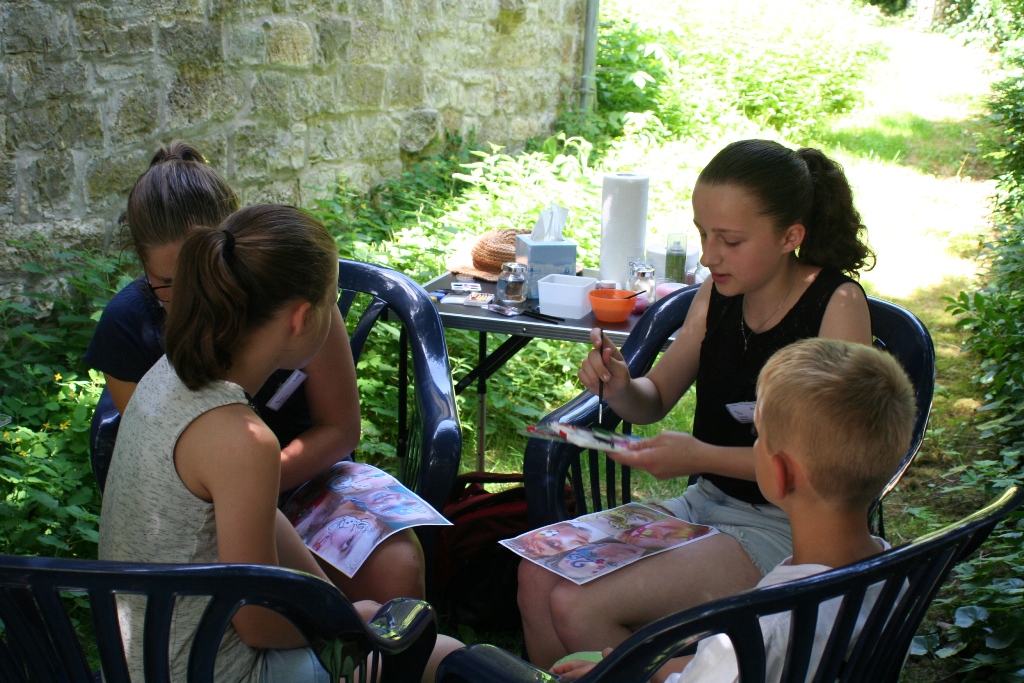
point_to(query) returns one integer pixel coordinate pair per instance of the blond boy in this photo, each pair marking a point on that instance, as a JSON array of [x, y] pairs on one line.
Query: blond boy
[[834, 420]]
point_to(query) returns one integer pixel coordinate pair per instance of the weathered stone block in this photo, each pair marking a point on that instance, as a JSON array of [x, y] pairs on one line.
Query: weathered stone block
[[198, 95], [262, 152], [48, 181], [191, 42], [8, 176], [289, 97], [372, 44], [405, 86], [246, 45], [362, 87], [418, 129], [289, 42], [511, 14], [54, 125], [36, 28], [279, 192], [134, 114], [35, 80], [470, 10], [438, 89], [109, 177], [102, 30], [234, 10], [334, 32], [359, 136]]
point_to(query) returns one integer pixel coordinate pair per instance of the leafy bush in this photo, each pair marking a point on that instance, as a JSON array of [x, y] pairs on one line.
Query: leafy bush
[[717, 67], [49, 503], [989, 619]]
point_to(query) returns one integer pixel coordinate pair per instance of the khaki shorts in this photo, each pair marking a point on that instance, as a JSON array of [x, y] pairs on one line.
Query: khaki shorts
[[762, 530]]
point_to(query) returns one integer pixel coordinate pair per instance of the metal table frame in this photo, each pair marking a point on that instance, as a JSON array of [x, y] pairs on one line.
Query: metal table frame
[[521, 331]]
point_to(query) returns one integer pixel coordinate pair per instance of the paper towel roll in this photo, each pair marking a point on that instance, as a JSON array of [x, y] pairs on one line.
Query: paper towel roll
[[623, 223]]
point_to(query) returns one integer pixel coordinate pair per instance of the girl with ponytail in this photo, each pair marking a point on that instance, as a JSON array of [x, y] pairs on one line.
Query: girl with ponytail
[[782, 239], [319, 424], [196, 472]]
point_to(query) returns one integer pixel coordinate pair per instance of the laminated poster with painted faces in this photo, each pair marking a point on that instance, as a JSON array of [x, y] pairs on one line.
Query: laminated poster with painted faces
[[593, 545], [344, 513]]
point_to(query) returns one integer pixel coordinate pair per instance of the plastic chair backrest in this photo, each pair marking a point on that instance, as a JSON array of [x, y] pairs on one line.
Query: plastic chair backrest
[[899, 332], [907, 577], [40, 643], [546, 464], [430, 450]]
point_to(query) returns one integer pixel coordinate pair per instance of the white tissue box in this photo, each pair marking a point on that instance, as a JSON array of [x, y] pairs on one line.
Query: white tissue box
[[543, 259], [565, 296]]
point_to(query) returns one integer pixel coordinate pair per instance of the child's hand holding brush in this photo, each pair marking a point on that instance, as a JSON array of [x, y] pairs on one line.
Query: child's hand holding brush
[[604, 372]]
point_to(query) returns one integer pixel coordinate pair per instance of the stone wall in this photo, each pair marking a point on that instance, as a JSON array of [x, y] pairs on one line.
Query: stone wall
[[281, 95]]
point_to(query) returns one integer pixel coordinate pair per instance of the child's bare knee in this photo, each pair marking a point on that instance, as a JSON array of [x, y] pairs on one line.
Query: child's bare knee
[[567, 607]]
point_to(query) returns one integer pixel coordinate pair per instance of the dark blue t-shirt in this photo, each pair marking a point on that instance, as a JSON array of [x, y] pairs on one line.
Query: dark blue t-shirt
[[129, 339]]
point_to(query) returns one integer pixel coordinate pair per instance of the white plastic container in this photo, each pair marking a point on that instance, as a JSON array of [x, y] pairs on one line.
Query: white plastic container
[[565, 296]]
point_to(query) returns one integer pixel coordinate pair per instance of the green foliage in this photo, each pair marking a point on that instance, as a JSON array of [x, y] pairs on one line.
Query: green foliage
[[49, 504], [988, 606], [994, 22], [712, 71]]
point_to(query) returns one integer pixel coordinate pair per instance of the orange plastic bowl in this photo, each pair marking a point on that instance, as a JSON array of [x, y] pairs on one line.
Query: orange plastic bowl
[[611, 305]]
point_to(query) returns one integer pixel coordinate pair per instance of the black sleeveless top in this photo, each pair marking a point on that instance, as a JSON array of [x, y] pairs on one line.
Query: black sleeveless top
[[728, 373]]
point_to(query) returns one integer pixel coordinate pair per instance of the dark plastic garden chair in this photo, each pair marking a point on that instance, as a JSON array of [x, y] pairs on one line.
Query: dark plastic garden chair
[[546, 464], [430, 441], [908, 577], [40, 644]]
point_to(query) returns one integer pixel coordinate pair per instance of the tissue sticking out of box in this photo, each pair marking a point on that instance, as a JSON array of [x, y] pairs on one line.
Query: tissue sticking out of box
[[550, 223], [545, 251]]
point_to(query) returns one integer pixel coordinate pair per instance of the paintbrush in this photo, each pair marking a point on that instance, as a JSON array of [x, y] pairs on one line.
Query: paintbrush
[[600, 386]]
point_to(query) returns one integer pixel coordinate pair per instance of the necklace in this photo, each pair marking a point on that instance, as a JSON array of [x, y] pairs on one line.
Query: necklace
[[758, 328]]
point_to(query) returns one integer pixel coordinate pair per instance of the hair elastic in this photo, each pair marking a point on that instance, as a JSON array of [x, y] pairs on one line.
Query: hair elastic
[[229, 242]]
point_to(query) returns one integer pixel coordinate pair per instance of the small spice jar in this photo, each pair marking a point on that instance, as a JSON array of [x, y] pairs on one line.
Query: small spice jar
[[512, 283], [641, 279]]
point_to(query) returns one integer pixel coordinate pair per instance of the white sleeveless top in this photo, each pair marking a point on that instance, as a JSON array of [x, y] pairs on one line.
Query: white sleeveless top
[[148, 515]]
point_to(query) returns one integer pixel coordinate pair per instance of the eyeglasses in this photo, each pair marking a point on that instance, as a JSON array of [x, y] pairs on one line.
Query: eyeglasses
[[158, 293]]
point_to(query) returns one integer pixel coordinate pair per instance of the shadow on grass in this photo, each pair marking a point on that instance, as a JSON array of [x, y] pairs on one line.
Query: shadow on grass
[[945, 149]]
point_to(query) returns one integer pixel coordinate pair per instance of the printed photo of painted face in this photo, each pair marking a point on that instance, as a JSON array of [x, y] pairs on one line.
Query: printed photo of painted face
[[622, 518], [355, 480], [592, 560], [396, 506], [662, 534], [347, 540], [554, 539]]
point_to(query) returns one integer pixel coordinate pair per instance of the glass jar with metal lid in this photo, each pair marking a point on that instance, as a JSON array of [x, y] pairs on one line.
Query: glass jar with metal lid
[[512, 283], [641, 279]]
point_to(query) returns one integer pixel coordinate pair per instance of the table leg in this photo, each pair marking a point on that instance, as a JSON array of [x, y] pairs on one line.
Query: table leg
[[481, 393]]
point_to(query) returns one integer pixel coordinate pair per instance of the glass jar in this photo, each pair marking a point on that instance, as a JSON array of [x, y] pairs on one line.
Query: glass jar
[[512, 283], [641, 279]]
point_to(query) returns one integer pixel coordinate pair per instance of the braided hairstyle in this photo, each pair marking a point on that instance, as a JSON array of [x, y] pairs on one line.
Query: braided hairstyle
[[803, 186], [230, 281]]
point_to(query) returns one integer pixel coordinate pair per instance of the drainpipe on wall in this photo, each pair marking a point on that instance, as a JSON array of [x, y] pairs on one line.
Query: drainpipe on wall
[[588, 86]]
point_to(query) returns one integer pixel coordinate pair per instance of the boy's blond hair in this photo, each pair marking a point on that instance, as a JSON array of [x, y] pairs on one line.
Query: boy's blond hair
[[847, 408]]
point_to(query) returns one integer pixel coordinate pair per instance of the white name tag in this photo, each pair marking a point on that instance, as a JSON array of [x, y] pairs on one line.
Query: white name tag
[[287, 388], [742, 412]]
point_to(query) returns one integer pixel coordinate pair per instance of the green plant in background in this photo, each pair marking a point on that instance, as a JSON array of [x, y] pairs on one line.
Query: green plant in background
[[988, 629], [49, 504]]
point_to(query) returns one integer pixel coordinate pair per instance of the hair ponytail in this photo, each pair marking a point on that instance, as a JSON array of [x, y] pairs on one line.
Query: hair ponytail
[[177, 192], [803, 187], [229, 282], [833, 223]]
